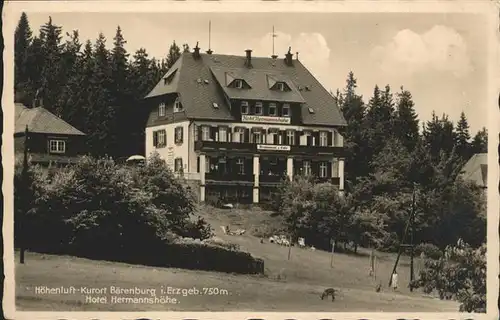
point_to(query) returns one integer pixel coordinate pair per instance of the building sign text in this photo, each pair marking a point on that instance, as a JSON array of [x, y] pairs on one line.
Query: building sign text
[[272, 147], [265, 119]]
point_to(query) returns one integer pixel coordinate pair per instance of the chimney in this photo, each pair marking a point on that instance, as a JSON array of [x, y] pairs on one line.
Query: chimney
[[209, 51], [248, 61], [274, 57], [289, 57], [196, 53], [297, 55]]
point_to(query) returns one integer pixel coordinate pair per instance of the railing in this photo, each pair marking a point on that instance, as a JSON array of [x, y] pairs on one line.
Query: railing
[[217, 176], [268, 148], [270, 178]]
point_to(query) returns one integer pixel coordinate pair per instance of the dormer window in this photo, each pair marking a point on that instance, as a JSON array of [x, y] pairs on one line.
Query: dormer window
[[258, 108], [272, 109], [238, 84], [244, 107], [177, 105], [280, 86], [286, 110], [161, 110]]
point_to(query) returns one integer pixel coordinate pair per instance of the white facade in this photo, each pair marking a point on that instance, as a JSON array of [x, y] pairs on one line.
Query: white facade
[[172, 150]]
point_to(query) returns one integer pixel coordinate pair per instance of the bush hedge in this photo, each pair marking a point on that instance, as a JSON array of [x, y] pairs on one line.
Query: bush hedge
[[101, 210]]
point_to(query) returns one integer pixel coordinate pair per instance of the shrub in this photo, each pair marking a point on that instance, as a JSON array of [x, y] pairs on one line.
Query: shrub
[[460, 272], [430, 251], [99, 209], [202, 255]]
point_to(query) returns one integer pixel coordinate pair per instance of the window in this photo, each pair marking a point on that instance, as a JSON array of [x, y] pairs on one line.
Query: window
[[286, 110], [290, 137], [215, 105], [257, 137], [205, 133], [272, 109], [159, 138], [280, 86], [240, 163], [177, 105], [161, 110], [273, 138], [244, 107], [57, 146], [239, 135], [323, 138], [178, 165], [323, 169], [222, 134], [311, 110], [238, 84], [258, 108], [179, 132], [306, 166]]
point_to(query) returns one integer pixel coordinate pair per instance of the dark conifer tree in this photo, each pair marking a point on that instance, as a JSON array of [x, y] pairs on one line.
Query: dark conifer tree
[[174, 52], [406, 127], [462, 141], [52, 80], [70, 60], [101, 139], [480, 142], [353, 108], [22, 42]]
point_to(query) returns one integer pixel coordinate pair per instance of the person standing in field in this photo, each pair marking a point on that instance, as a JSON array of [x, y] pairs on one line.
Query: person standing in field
[[395, 280]]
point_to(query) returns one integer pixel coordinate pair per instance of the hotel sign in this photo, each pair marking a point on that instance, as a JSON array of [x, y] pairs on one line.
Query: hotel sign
[[272, 147], [265, 119]]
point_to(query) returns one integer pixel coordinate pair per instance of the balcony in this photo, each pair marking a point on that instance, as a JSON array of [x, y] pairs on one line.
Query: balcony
[[223, 146], [317, 150], [268, 148], [229, 178], [270, 179]]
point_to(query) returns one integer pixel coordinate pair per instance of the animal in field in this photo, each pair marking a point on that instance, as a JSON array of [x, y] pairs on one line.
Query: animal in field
[[328, 292]]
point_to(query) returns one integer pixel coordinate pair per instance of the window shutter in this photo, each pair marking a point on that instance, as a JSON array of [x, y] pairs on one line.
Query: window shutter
[[316, 138], [155, 138], [212, 133], [330, 138], [182, 134], [284, 139], [198, 164], [181, 166], [329, 169], [247, 135], [297, 137]]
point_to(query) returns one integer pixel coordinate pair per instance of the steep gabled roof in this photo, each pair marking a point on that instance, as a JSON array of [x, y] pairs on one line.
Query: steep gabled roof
[[197, 83], [476, 169], [40, 120], [170, 86]]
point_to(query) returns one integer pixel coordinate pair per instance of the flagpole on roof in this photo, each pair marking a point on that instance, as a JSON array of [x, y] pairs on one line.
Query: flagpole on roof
[[274, 36]]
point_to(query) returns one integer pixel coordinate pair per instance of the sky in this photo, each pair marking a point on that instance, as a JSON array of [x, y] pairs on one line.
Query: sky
[[441, 58]]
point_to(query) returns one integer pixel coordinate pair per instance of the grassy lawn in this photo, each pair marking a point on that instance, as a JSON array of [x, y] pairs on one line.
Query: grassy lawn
[[288, 285]]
